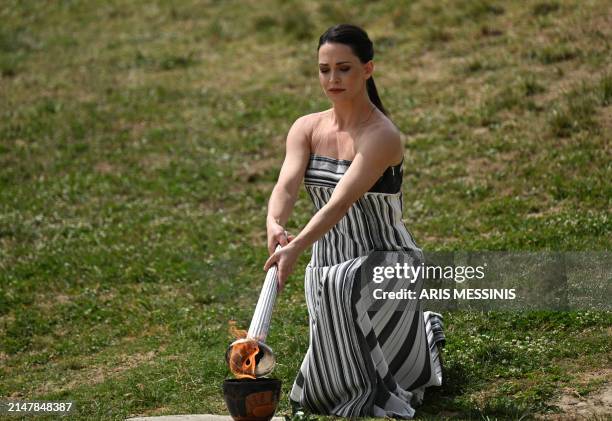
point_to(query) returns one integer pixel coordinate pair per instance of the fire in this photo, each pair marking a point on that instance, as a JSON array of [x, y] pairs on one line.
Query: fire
[[242, 358], [235, 332], [241, 354]]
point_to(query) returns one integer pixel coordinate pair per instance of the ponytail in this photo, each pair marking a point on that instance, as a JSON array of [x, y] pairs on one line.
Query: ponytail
[[373, 94]]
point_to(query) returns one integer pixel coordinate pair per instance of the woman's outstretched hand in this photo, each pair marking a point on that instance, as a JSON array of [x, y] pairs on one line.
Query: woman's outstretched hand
[[285, 259]]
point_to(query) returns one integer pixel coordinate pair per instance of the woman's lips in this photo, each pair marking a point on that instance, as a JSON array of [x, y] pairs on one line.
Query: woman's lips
[[336, 90]]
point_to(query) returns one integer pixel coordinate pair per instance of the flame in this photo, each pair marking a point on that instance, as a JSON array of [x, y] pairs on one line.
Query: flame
[[242, 358], [242, 353], [235, 332]]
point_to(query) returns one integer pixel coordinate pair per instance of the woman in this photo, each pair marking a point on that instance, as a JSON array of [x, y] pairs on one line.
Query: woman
[[359, 362]]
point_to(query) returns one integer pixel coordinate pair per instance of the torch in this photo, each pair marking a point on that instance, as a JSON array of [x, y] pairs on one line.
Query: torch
[[250, 357]]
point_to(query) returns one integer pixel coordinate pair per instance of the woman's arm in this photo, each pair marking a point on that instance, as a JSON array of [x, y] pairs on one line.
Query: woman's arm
[[373, 156], [285, 192]]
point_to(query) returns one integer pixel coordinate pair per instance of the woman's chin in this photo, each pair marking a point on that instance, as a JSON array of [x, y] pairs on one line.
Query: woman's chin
[[337, 100]]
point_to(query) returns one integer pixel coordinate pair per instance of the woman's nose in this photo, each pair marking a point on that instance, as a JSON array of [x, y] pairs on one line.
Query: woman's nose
[[334, 76]]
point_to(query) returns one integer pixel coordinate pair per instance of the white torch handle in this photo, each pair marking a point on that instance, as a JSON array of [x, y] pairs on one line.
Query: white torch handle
[[260, 324]]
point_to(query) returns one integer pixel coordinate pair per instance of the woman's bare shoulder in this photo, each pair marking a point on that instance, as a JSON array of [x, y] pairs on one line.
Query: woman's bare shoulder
[[385, 125], [309, 125], [383, 134], [314, 119], [309, 122]]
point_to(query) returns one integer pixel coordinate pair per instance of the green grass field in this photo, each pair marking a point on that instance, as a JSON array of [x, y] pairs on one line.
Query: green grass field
[[139, 143]]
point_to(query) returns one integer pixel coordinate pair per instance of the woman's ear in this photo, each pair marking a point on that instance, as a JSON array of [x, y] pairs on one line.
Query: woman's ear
[[368, 69]]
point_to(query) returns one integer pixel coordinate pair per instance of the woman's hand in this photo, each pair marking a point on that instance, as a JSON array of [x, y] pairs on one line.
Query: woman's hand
[[277, 235], [285, 259]]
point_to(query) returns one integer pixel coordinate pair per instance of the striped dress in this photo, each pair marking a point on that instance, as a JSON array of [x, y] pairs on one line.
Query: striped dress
[[362, 360]]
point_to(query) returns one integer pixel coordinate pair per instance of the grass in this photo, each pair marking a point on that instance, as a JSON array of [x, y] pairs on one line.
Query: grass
[[139, 143]]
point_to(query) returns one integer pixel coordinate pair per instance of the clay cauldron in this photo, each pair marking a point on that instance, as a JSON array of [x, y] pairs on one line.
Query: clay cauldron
[[252, 399]]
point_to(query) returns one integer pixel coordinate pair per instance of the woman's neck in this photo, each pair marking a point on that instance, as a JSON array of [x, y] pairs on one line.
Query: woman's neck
[[349, 115]]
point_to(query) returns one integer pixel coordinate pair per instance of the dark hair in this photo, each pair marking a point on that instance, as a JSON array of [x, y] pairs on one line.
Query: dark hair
[[359, 42]]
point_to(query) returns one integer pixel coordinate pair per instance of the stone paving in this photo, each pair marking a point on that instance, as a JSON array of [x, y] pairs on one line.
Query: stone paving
[[192, 417]]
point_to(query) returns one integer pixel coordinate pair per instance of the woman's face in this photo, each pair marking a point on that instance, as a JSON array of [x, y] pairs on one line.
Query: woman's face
[[340, 69]]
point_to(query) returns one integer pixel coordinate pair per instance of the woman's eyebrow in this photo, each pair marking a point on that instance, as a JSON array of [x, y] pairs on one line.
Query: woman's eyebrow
[[340, 62]]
